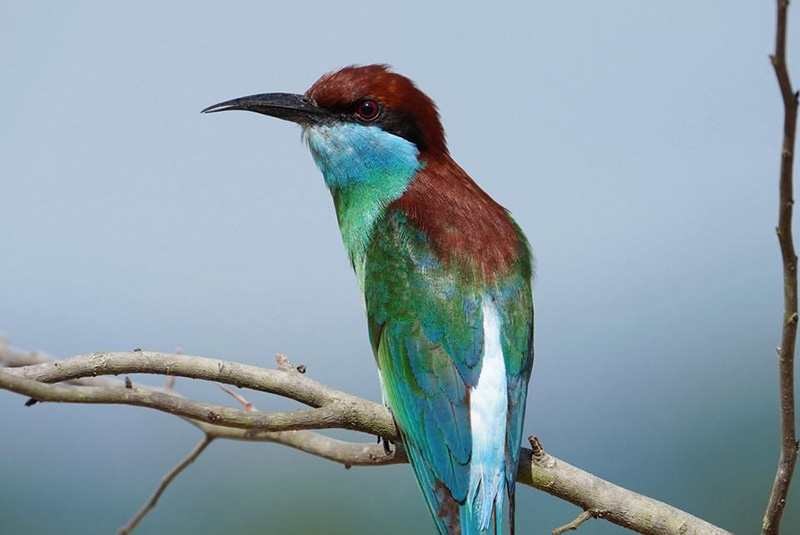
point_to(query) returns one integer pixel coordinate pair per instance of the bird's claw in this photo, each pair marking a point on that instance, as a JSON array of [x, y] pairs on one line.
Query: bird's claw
[[387, 445]]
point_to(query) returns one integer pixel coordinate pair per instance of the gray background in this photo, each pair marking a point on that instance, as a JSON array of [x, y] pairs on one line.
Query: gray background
[[636, 143]]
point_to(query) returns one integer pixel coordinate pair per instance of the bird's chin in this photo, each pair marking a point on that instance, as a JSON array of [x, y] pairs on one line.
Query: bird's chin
[[307, 131], [322, 136]]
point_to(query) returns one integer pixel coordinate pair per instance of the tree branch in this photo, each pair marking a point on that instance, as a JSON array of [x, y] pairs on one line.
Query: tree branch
[[786, 351], [332, 408], [332, 415], [172, 474], [286, 381]]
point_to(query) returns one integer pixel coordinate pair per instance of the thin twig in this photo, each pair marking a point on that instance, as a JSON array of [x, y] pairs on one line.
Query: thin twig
[[171, 475], [576, 523], [786, 351], [246, 405]]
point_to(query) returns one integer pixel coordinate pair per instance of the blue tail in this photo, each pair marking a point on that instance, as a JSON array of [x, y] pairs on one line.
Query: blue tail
[[472, 516]]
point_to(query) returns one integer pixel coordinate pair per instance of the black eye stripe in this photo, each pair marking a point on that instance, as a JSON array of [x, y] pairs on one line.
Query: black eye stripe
[[397, 122], [402, 125]]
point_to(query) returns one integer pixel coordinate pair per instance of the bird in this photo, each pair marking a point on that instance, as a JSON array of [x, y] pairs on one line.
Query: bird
[[445, 275]]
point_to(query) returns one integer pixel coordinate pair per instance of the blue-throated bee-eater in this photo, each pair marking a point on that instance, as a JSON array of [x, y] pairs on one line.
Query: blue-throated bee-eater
[[445, 274]]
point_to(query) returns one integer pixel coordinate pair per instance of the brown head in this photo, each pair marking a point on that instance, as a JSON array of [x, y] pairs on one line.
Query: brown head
[[375, 94], [464, 225], [369, 94]]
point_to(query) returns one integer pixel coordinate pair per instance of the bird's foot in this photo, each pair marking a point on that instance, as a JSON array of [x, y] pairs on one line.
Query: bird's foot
[[388, 445]]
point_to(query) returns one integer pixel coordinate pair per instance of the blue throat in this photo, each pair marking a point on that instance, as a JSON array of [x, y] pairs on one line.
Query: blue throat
[[365, 169]]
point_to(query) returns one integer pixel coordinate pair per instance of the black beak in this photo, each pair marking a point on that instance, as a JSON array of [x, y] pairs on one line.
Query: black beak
[[287, 106]]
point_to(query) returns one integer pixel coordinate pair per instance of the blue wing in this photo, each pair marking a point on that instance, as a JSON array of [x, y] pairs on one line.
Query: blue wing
[[429, 333]]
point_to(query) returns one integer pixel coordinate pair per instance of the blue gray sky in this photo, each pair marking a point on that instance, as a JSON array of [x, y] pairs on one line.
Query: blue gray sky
[[636, 144]]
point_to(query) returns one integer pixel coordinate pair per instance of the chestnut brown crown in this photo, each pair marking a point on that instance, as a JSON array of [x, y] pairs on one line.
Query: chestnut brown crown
[[402, 108]]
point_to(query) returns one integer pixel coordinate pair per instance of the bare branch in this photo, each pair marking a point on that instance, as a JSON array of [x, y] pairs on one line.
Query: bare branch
[[172, 474], [333, 409], [14, 358], [788, 458], [616, 504], [332, 415], [345, 453], [283, 382], [350, 412]]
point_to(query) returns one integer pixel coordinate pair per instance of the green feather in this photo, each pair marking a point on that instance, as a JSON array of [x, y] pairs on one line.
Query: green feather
[[426, 328]]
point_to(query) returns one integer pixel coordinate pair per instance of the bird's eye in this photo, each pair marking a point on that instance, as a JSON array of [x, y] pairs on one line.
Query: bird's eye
[[368, 109]]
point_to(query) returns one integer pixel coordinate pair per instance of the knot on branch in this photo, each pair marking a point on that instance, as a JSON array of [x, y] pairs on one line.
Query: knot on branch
[[285, 365], [537, 450]]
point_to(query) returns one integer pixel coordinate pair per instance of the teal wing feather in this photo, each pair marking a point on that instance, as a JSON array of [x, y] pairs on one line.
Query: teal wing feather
[[420, 318], [516, 311], [426, 328]]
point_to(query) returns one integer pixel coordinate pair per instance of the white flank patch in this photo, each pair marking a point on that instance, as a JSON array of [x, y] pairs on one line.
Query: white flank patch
[[384, 397], [488, 414]]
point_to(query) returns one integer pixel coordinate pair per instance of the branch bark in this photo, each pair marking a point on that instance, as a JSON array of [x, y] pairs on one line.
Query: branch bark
[[331, 408], [786, 351]]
